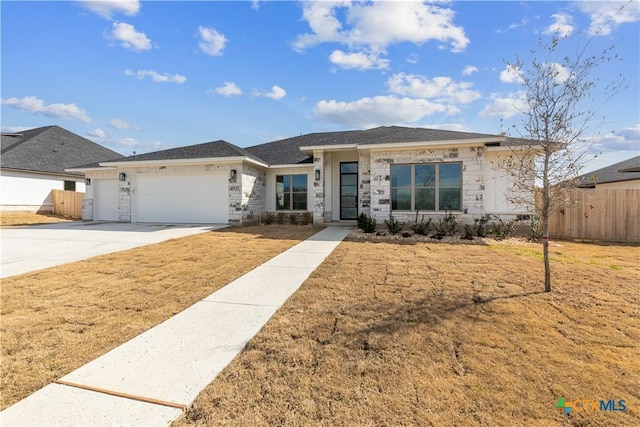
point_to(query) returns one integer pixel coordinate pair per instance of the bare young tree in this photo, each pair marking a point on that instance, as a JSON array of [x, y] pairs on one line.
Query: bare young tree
[[560, 97]]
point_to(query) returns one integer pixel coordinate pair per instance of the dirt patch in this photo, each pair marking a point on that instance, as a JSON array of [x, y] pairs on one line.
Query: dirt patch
[[446, 335], [56, 320], [18, 218]]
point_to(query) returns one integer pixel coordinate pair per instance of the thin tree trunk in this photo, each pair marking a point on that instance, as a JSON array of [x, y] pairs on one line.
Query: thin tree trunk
[[545, 254]]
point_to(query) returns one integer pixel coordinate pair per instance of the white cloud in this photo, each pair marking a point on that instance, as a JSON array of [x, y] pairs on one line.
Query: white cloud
[[228, 89], [156, 77], [607, 16], [276, 93], [505, 107], [377, 111], [358, 61], [511, 74], [15, 129], [413, 59], [560, 73], [211, 41], [372, 27], [127, 142], [129, 38], [469, 69], [119, 124], [31, 104], [97, 133], [562, 25], [441, 89], [627, 139], [107, 8]]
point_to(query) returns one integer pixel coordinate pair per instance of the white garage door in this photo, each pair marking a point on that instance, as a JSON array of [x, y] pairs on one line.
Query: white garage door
[[105, 200], [201, 198]]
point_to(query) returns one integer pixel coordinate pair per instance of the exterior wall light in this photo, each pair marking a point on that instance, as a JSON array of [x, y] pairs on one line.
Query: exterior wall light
[[87, 181], [233, 174], [317, 174], [122, 176]]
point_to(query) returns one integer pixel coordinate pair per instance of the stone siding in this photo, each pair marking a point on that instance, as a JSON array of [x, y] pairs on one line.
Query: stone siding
[[472, 180]]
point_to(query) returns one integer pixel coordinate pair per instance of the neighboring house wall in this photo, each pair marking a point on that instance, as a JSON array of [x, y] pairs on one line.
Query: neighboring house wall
[[631, 185], [32, 191]]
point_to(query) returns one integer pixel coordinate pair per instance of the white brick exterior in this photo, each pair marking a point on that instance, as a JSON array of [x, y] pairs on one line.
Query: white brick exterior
[[472, 179]]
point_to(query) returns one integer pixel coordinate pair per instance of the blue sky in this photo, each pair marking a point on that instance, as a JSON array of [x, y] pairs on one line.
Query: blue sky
[[143, 76]]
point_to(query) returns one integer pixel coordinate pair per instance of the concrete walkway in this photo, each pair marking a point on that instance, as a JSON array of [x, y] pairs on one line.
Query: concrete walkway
[[163, 370], [35, 247]]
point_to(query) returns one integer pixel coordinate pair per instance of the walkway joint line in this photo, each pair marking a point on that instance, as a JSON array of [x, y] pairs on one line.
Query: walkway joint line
[[124, 395]]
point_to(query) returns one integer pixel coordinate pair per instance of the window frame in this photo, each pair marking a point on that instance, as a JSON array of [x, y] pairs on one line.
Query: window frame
[[69, 185], [436, 187], [290, 194]]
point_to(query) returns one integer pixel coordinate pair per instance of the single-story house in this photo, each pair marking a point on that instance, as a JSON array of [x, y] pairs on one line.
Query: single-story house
[[622, 175], [334, 175], [34, 162]]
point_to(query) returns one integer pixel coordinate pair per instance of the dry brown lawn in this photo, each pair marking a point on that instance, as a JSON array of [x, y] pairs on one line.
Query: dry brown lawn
[[56, 320], [386, 334], [19, 218]]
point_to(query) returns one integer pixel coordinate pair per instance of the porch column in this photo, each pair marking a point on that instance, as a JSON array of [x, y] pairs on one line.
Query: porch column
[[318, 187]]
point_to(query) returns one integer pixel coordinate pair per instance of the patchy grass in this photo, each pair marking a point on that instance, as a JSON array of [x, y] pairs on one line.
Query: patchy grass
[[19, 218], [443, 335], [56, 320]]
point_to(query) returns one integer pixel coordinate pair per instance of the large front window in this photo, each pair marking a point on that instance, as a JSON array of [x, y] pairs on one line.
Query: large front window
[[291, 192], [426, 187]]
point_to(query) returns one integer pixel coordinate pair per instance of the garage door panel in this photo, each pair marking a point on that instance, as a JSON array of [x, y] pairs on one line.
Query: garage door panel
[[201, 198], [105, 199]]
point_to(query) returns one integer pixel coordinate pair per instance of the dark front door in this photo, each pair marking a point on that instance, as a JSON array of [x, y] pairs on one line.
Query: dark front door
[[349, 190]]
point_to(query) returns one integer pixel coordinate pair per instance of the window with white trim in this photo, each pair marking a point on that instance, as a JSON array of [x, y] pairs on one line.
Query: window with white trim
[[426, 187], [291, 192]]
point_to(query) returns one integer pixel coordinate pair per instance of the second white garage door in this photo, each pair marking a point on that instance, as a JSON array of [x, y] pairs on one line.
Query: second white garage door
[[201, 198]]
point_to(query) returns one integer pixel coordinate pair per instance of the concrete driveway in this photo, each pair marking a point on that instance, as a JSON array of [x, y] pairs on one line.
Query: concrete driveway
[[31, 248]]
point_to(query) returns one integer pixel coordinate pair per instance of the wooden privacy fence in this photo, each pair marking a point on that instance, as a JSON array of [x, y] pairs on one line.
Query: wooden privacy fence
[[598, 214], [67, 203]]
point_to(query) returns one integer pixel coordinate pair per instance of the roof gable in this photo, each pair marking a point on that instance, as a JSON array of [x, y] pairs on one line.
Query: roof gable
[[50, 149]]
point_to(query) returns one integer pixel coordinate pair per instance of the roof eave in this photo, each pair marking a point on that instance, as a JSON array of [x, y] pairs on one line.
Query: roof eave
[[200, 160], [442, 143]]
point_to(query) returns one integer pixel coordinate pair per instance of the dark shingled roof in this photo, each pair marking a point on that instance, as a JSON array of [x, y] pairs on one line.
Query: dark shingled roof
[[200, 151], [50, 149], [623, 171], [287, 151]]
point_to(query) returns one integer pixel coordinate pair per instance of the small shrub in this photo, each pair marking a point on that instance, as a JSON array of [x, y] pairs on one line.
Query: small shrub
[[479, 226], [366, 223], [535, 230], [421, 226], [468, 232], [306, 218], [281, 217], [502, 230], [268, 218], [293, 218], [406, 234], [446, 225], [393, 224]]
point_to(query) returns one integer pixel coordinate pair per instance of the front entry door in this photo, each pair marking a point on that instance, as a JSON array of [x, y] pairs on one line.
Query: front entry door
[[349, 190]]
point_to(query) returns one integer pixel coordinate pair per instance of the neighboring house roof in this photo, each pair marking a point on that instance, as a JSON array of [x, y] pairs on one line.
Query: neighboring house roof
[[50, 149], [207, 150], [626, 170]]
